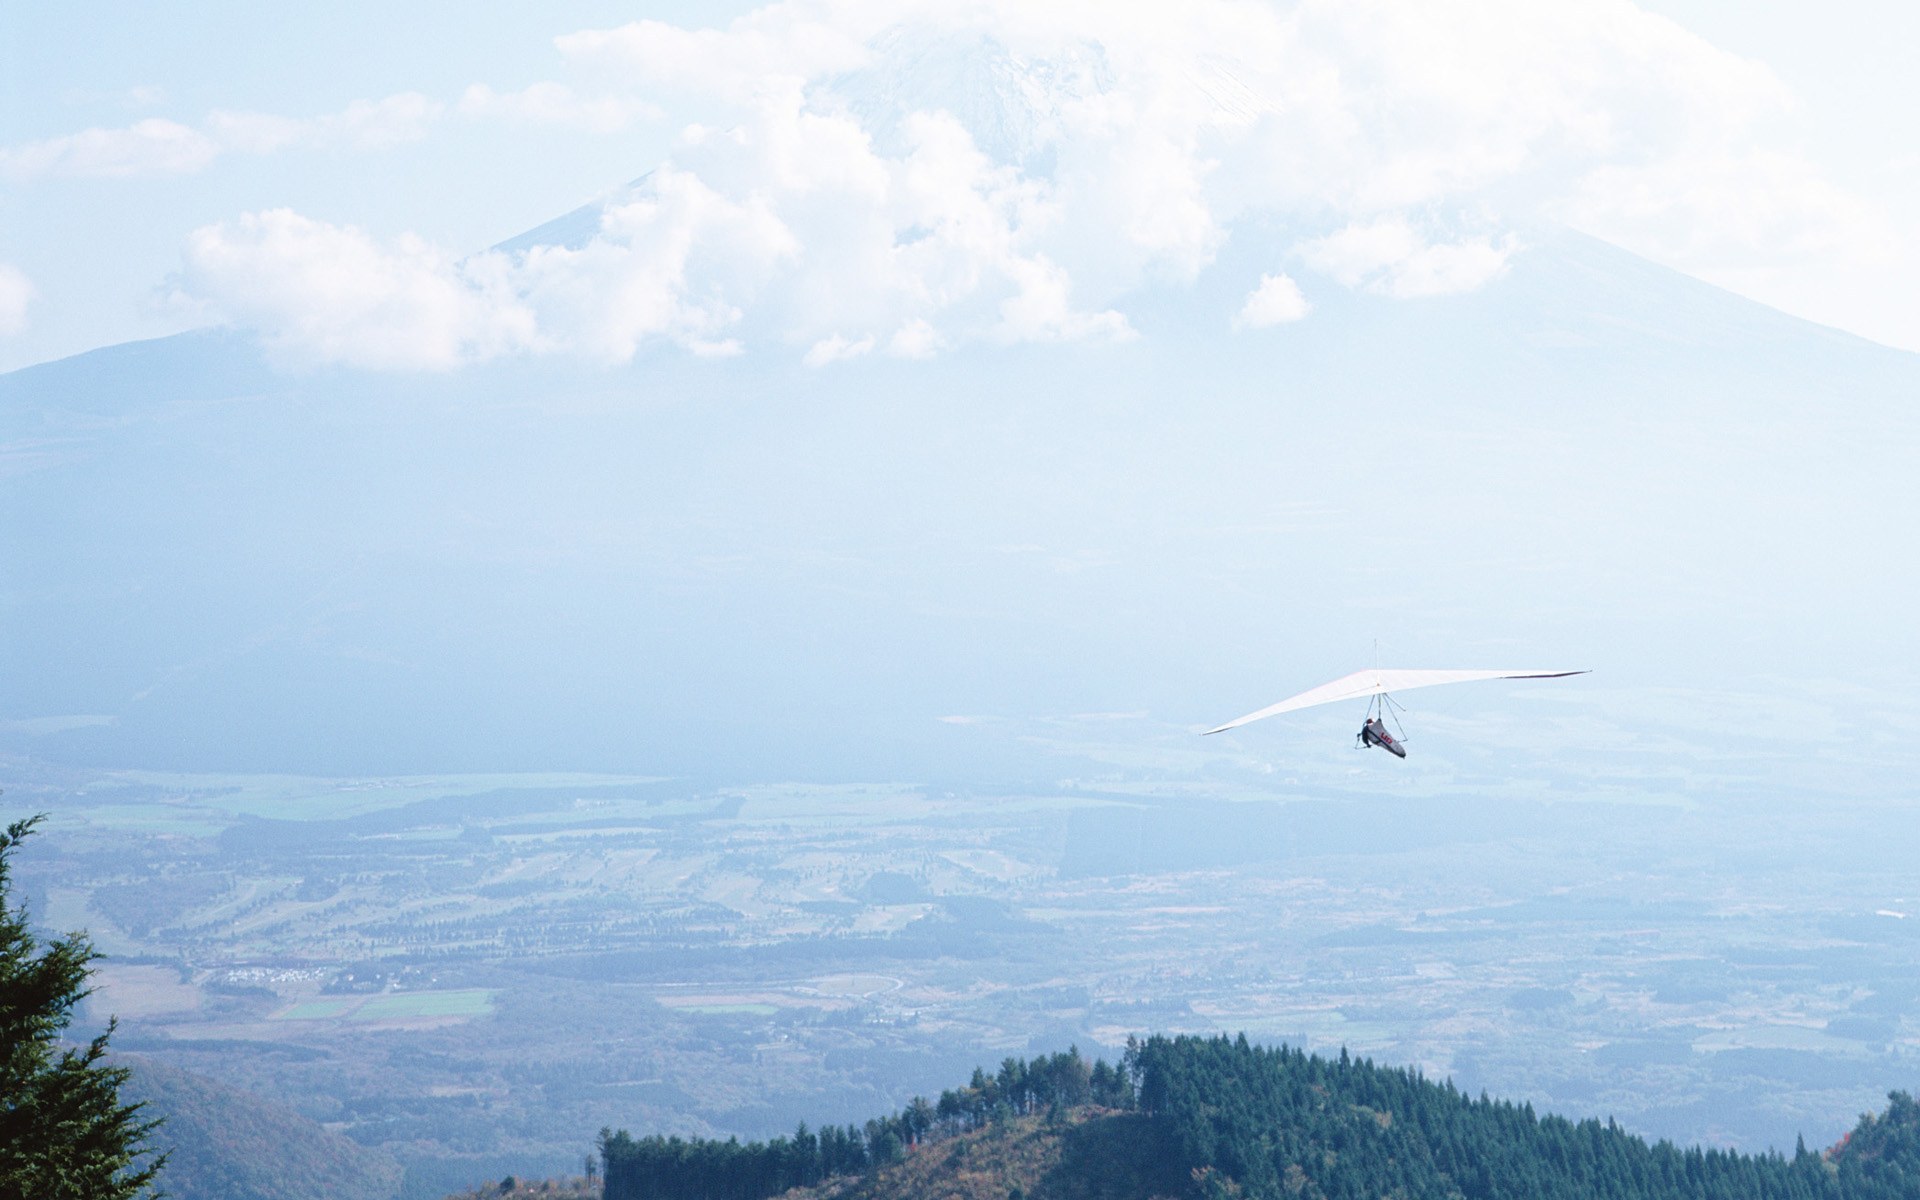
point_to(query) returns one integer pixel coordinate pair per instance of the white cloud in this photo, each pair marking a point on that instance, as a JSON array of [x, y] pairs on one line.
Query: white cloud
[[1448, 268], [324, 293], [16, 293], [836, 349], [913, 175], [1040, 309], [364, 124], [1388, 256], [661, 267], [550, 103], [157, 146], [891, 245], [668, 265], [916, 339], [1276, 301], [772, 47], [1362, 254], [151, 147], [1095, 149]]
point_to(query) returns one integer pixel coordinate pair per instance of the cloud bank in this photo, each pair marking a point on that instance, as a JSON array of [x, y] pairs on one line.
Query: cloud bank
[[856, 178], [322, 293]]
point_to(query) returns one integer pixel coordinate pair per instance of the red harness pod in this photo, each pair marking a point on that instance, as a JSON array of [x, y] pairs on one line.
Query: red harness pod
[[1374, 733]]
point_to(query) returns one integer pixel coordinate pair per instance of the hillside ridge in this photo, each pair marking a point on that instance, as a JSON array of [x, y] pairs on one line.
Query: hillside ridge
[[1220, 1117]]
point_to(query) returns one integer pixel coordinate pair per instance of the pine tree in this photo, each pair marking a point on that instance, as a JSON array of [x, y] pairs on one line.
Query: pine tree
[[64, 1135]]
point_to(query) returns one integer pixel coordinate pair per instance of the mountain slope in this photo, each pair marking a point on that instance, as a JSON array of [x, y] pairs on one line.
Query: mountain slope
[[230, 1145], [1089, 1154], [759, 569]]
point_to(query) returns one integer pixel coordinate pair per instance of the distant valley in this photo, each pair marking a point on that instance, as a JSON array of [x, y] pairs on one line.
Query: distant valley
[[471, 975]]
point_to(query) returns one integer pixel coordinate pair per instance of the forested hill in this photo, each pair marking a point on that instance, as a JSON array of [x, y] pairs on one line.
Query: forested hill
[[1206, 1118], [1282, 1123]]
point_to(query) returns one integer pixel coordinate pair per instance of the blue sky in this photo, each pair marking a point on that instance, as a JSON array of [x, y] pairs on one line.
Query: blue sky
[[1755, 146]]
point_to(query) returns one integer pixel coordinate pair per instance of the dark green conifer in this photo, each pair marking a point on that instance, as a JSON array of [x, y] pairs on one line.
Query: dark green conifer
[[64, 1135]]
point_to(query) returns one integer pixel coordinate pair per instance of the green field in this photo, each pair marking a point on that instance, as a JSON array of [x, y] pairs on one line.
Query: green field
[[319, 1010], [729, 1010], [392, 1006], [471, 1002]]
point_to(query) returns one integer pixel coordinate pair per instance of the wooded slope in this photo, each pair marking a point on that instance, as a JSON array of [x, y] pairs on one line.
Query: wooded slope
[[1219, 1117]]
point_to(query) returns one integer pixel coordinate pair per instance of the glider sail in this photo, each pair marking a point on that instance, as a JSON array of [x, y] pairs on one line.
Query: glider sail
[[1378, 682]]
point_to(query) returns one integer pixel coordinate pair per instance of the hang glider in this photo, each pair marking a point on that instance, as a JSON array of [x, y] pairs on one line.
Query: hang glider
[[1380, 681]]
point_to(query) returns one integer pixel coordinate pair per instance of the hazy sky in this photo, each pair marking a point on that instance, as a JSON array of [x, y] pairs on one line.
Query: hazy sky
[[844, 178]]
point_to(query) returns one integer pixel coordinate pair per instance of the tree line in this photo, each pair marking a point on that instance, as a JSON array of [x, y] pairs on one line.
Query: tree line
[[675, 1168], [1280, 1124]]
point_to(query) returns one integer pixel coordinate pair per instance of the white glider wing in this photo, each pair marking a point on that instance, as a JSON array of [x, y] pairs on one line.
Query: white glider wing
[[1379, 680]]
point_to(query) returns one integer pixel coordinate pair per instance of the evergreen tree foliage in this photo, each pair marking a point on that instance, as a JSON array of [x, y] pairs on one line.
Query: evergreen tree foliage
[[672, 1168], [64, 1134], [1281, 1123], [1882, 1152]]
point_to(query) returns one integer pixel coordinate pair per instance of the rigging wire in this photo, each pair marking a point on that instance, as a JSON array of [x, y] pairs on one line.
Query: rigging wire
[[1388, 709]]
